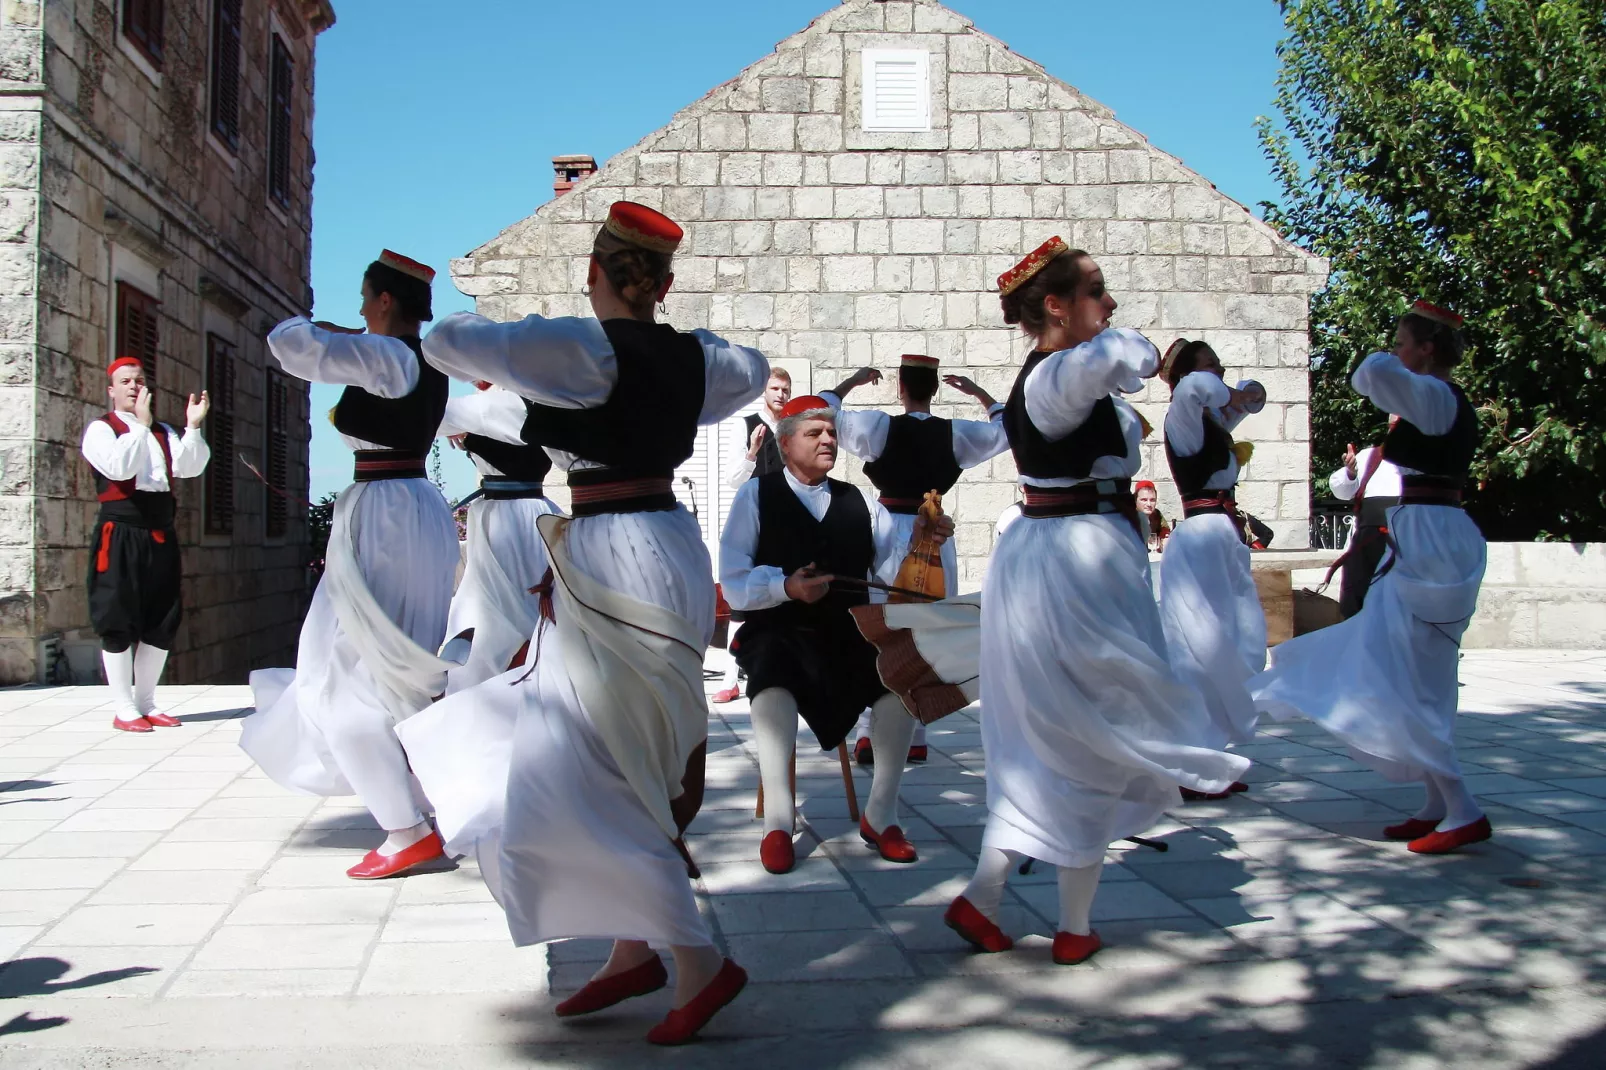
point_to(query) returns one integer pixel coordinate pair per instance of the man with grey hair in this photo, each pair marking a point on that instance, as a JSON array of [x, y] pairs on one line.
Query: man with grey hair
[[795, 553]]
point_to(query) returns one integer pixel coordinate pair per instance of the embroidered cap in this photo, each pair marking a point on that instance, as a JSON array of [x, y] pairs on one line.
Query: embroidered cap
[[1021, 273], [643, 226], [1437, 314], [407, 266], [806, 403], [918, 360], [124, 362]]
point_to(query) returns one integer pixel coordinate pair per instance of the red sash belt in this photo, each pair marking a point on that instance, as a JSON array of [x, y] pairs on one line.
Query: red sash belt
[[1219, 502], [375, 465], [590, 495], [901, 505], [1084, 499], [1429, 490]]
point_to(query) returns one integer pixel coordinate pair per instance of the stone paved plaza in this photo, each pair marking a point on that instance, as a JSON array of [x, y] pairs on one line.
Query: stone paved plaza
[[163, 905]]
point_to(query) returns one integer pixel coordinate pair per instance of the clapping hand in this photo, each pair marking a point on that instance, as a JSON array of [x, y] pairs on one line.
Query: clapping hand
[[754, 441], [142, 405], [1349, 460]]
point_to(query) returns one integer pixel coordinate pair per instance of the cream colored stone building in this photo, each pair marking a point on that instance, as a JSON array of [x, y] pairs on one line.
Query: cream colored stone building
[[155, 201], [853, 196]]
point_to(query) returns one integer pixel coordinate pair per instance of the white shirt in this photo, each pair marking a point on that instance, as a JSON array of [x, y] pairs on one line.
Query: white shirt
[[383, 366], [751, 587], [1385, 482], [739, 468], [495, 413], [568, 363], [863, 432], [1062, 390], [1202, 396], [1423, 400], [137, 455]]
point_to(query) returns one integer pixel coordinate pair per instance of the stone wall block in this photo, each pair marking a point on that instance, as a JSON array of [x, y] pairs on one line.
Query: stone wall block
[[785, 94], [819, 133], [976, 92], [1145, 202], [1005, 130], [1020, 168], [1266, 312]]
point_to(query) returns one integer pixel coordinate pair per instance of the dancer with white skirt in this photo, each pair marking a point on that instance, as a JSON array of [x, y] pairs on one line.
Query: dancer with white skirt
[[1384, 681], [1088, 734], [494, 610], [367, 655], [1215, 629], [572, 780]]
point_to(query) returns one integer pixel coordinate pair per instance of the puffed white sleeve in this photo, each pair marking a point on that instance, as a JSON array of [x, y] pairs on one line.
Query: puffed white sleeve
[[385, 367], [1344, 485], [977, 442], [116, 456], [190, 452], [497, 414], [566, 362], [1062, 390], [1197, 393], [733, 375], [1425, 401], [747, 586], [862, 432]]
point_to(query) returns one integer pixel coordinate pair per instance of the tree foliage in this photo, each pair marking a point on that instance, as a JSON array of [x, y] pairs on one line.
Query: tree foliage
[[1456, 150]]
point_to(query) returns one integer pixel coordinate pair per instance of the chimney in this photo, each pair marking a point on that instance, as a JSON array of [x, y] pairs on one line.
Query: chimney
[[568, 170]]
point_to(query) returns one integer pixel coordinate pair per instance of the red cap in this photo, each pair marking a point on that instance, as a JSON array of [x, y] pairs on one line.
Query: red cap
[[124, 362], [806, 403], [1437, 314], [481, 384], [1021, 273], [918, 360], [1143, 484], [643, 226], [407, 266]]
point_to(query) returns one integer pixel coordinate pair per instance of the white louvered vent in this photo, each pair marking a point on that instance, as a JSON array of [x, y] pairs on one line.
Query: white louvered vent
[[897, 89]]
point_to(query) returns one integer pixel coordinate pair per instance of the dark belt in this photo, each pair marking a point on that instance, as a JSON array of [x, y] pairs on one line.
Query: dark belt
[[1429, 490], [596, 491], [374, 465], [503, 490], [146, 509], [1205, 504], [1084, 499], [1374, 512], [906, 506]]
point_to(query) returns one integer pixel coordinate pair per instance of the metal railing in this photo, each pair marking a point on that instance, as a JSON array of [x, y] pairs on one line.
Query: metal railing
[[1332, 522]]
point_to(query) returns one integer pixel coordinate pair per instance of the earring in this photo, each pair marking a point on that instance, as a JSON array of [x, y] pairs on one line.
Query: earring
[[663, 309], [585, 291]]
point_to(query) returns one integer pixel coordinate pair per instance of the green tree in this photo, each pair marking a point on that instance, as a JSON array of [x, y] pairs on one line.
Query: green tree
[[1456, 150]]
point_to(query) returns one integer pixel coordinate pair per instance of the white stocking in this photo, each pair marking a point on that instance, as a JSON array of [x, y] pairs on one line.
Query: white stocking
[[986, 888], [890, 729], [120, 678], [148, 664], [1432, 802], [861, 730], [401, 839], [774, 716], [919, 738], [1460, 808], [1077, 889]]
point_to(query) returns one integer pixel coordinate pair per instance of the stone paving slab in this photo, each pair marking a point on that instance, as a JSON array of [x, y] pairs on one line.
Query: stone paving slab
[[162, 904]]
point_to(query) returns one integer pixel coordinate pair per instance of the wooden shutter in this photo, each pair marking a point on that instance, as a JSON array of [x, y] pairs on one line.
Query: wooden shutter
[[220, 436], [276, 454], [280, 114], [142, 25], [138, 315], [226, 71]]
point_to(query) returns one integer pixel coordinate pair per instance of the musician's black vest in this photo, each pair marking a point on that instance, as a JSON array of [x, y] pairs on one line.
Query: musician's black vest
[[648, 425], [918, 456], [769, 451], [527, 464], [1191, 473], [1070, 457], [789, 538], [405, 423], [1447, 456]]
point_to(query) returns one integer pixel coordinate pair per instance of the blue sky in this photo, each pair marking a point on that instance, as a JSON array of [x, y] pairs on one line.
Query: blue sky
[[434, 133]]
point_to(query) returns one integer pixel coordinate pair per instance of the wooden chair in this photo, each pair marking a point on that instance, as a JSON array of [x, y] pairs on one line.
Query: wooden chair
[[847, 783]]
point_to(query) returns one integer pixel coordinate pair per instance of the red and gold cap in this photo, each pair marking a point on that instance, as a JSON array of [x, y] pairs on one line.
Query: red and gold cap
[[806, 403], [1171, 352], [1437, 314], [643, 226], [1021, 273], [919, 360], [407, 266], [123, 362]]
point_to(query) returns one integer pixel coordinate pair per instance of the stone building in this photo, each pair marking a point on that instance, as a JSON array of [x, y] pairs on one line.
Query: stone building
[[853, 196], [155, 201]]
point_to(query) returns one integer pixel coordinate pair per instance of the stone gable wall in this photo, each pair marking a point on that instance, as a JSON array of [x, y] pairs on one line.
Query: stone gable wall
[[811, 238]]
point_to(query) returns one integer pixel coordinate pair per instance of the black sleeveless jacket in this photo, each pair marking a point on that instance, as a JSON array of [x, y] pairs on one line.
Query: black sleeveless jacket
[[1070, 457], [789, 538], [527, 464], [769, 451], [1447, 456], [1191, 473], [405, 423], [918, 457]]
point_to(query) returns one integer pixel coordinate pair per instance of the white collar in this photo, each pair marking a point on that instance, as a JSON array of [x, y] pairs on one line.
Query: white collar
[[802, 488]]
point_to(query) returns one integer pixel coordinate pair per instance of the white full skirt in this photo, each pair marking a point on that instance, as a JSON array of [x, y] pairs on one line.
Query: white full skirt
[[1385, 680], [506, 557], [1088, 733], [322, 728], [1215, 629], [519, 775]]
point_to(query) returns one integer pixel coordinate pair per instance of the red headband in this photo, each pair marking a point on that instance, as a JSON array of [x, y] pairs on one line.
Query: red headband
[[643, 226], [806, 403], [123, 362], [1021, 273], [407, 266], [1437, 314]]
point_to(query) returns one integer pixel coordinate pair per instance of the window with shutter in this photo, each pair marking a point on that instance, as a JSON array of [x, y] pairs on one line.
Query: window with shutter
[[276, 454], [220, 436], [896, 87], [226, 71], [142, 25], [280, 114], [138, 335]]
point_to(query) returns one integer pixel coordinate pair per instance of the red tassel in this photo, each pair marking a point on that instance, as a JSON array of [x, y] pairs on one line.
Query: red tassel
[[159, 536], [103, 558], [544, 590]]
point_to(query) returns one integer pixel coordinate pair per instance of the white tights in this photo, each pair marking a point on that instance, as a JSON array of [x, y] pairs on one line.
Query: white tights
[[1448, 802], [1077, 888]]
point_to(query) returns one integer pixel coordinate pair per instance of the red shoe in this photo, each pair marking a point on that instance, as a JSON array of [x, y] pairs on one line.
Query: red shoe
[[891, 844], [138, 724], [730, 694], [1189, 795], [862, 751], [1412, 829], [604, 992], [777, 853], [918, 754], [1237, 786], [963, 918], [1069, 948], [682, 1023], [162, 720], [376, 866], [1442, 843]]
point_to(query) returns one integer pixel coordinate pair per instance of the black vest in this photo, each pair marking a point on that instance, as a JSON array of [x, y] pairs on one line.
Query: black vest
[[405, 423], [918, 457], [1447, 456], [648, 425], [527, 464], [1192, 473], [789, 537], [1070, 457], [769, 451]]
